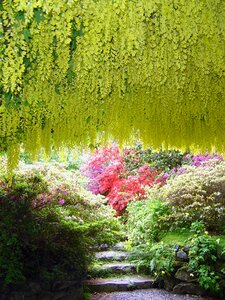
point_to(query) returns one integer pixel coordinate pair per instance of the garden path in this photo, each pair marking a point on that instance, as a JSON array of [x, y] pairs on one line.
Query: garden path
[[116, 280], [149, 294]]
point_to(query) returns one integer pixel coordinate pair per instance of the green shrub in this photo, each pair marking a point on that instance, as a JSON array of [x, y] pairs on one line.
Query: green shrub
[[203, 255], [49, 226], [146, 221]]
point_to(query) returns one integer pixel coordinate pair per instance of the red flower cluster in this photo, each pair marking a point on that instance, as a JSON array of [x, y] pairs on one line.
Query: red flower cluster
[[109, 176], [124, 190]]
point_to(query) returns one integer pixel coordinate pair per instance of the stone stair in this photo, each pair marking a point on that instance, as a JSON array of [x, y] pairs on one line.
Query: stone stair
[[116, 273], [111, 255]]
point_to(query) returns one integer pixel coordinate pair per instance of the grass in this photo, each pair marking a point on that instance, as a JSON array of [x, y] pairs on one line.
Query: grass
[[221, 239], [180, 236]]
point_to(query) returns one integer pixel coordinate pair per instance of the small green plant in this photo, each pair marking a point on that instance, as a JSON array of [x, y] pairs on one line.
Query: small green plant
[[203, 255], [157, 259], [163, 258], [208, 278], [197, 227]]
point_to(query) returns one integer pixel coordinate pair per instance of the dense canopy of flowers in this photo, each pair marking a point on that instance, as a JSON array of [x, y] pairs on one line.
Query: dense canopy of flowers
[[74, 71]]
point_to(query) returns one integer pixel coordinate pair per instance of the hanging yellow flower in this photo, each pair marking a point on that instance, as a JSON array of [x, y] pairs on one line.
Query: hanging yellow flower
[[73, 69]]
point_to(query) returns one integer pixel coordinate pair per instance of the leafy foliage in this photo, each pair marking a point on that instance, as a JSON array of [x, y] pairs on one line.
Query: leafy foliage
[[192, 199], [157, 259]]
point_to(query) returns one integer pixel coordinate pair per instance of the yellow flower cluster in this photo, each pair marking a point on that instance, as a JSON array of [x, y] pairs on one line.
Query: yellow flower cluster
[[74, 71]]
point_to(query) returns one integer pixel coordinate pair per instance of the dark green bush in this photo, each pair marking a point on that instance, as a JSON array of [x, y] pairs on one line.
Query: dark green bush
[[166, 160], [163, 160], [48, 239]]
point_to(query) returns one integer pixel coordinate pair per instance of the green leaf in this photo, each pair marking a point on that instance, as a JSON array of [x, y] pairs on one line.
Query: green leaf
[[88, 119], [38, 15], [8, 97], [20, 16], [27, 62], [27, 35]]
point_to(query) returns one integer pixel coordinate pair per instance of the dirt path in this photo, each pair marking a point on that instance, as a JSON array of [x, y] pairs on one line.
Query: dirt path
[[154, 294]]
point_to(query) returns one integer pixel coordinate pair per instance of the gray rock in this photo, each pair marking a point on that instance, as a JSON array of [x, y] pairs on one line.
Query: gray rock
[[103, 247], [111, 255], [184, 274], [176, 247], [119, 268], [170, 282], [181, 255], [187, 248], [119, 284], [188, 288], [119, 246]]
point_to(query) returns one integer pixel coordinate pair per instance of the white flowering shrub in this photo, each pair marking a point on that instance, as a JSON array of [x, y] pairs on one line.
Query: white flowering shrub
[[196, 193]]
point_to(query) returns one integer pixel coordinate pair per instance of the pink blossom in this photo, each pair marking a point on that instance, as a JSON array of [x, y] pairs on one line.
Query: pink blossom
[[61, 201]]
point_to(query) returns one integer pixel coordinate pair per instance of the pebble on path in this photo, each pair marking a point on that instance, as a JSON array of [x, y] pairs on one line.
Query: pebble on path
[[154, 294]]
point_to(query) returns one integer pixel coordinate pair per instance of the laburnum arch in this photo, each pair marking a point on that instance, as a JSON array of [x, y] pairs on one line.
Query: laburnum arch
[[73, 69]]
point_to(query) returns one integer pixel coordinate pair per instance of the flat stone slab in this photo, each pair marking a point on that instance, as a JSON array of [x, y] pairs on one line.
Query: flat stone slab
[[119, 247], [111, 255], [119, 268], [119, 284]]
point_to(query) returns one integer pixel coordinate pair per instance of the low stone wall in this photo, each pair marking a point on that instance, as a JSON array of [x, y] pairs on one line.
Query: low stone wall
[[59, 290], [182, 281]]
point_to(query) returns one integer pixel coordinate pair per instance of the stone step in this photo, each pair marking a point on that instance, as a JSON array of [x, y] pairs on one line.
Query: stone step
[[118, 268], [111, 255], [119, 247], [119, 284]]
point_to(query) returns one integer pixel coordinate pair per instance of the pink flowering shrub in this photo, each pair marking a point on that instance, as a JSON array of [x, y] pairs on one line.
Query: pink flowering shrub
[[109, 176], [112, 176], [103, 167]]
